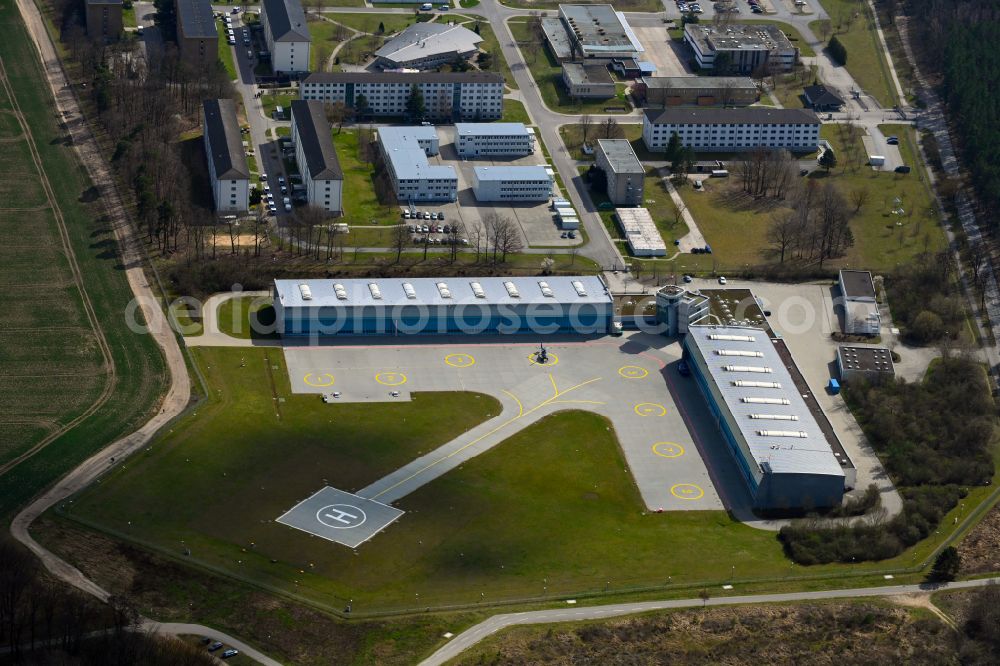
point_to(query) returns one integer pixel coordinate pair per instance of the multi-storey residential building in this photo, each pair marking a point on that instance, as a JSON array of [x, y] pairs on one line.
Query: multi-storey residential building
[[494, 139], [104, 19], [625, 174], [660, 91], [227, 163], [511, 183], [740, 48], [713, 129], [405, 150], [447, 95], [287, 35], [197, 37], [316, 156]]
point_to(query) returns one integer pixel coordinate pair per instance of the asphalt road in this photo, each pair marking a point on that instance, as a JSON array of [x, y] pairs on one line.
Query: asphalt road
[[473, 635]]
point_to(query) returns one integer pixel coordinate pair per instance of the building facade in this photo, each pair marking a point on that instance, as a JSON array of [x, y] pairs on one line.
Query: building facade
[[664, 91], [511, 183], [444, 306], [861, 315], [450, 96], [494, 139], [104, 19], [405, 151], [286, 34], [625, 174], [588, 81], [427, 46], [590, 31], [316, 156], [740, 48], [197, 37], [227, 163], [728, 130], [870, 364]]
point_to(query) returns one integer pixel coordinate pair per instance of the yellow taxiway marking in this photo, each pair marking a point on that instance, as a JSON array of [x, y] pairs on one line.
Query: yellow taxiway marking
[[553, 359], [319, 383], [521, 413], [633, 372], [668, 449], [460, 360], [686, 491], [650, 409], [390, 378]]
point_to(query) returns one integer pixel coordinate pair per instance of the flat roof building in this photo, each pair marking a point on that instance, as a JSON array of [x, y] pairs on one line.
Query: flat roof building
[[590, 81], [495, 139], [713, 129], [740, 48], [625, 174], [316, 156], [458, 305], [471, 96], [227, 162], [662, 91], [783, 455], [871, 364], [427, 45], [861, 315], [641, 234], [287, 35], [197, 37], [405, 150], [591, 31], [511, 183]]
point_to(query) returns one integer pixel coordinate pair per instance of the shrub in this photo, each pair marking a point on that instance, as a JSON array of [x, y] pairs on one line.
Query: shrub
[[837, 51]]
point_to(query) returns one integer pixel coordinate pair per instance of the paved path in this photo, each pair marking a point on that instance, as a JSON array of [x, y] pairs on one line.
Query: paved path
[[474, 635], [212, 336]]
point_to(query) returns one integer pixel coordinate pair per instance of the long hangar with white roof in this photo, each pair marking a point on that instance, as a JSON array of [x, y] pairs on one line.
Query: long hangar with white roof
[[781, 451], [428, 306]]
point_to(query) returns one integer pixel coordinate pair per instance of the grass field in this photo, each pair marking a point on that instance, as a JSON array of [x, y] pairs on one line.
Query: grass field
[[52, 371], [361, 205], [226, 56], [492, 46], [866, 61], [572, 136], [271, 102], [879, 243], [514, 112], [234, 317], [548, 75]]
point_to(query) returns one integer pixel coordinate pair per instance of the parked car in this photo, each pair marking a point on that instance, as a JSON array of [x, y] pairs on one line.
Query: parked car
[[722, 279], [447, 229], [564, 235], [441, 216], [892, 140], [281, 180], [231, 652], [426, 7], [688, 278], [425, 229], [214, 646], [902, 168], [572, 234], [444, 8]]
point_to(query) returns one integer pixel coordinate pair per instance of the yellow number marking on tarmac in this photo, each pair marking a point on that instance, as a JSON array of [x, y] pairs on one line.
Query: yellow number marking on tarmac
[[390, 378], [686, 491], [668, 449], [633, 372], [460, 360], [308, 379], [650, 409], [553, 359]]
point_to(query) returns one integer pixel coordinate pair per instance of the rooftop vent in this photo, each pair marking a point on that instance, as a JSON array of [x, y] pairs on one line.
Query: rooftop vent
[[766, 401], [340, 291], [753, 384], [478, 290], [306, 292], [512, 289], [410, 292], [376, 292], [580, 290], [443, 290], [546, 289], [737, 352], [731, 338], [801, 434], [775, 417], [747, 368]]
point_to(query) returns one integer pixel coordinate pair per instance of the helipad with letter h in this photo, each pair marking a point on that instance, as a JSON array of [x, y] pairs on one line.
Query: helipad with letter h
[[340, 516]]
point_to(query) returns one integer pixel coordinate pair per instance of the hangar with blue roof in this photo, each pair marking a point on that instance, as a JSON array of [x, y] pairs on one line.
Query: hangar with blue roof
[[443, 306], [782, 453]]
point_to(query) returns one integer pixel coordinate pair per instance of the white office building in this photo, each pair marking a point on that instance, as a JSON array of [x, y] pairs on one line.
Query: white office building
[[449, 96], [287, 35], [728, 130], [405, 151], [511, 183], [740, 48], [227, 163], [316, 156], [494, 139], [428, 45], [857, 292]]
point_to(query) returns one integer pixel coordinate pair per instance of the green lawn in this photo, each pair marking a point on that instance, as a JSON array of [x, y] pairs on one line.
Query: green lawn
[[621, 5], [323, 41], [361, 204], [128, 17], [392, 23], [865, 59], [492, 46], [514, 112], [736, 227], [226, 56], [572, 136], [271, 102], [794, 36], [247, 317], [547, 73]]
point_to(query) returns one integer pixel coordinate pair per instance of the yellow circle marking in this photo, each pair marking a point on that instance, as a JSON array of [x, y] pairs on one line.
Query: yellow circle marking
[[668, 449], [319, 383], [460, 360], [633, 372], [553, 359], [686, 491], [390, 378], [650, 409]]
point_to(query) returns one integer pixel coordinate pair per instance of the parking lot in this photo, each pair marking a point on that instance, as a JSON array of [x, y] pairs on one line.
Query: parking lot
[[535, 220], [668, 56]]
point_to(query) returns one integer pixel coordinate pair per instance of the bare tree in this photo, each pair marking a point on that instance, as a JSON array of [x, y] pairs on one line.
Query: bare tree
[[455, 235], [400, 237], [585, 122], [859, 197], [783, 234], [612, 130], [337, 114]]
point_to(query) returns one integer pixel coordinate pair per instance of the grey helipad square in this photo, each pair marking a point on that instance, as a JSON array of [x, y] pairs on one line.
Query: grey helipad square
[[340, 516]]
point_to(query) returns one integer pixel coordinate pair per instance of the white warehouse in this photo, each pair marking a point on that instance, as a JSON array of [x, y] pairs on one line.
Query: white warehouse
[[316, 156], [727, 130], [494, 139], [287, 35], [405, 150], [227, 163], [511, 183]]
